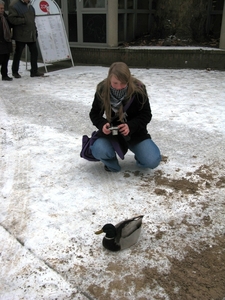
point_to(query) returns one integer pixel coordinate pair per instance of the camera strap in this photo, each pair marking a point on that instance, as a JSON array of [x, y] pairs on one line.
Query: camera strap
[[125, 108]]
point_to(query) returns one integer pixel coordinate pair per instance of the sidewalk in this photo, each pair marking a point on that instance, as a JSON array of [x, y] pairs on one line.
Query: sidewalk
[[52, 201]]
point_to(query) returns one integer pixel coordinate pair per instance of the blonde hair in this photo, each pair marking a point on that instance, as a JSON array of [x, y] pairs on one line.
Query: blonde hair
[[121, 71]]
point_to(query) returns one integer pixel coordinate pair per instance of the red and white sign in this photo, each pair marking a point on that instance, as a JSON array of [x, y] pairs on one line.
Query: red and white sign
[[47, 7], [44, 6]]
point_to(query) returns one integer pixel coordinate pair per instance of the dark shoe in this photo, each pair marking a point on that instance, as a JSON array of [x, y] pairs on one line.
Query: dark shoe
[[38, 74], [16, 75], [7, 78], [107, 169]]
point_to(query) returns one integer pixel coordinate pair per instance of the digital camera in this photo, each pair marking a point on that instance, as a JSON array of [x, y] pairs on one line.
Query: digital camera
[[114, 130]]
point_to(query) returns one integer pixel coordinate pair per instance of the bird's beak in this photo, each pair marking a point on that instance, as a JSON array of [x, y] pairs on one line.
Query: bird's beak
[[99, 232]]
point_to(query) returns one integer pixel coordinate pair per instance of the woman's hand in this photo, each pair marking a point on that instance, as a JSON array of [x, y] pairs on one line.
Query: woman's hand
[[124, 129], [105, 129]]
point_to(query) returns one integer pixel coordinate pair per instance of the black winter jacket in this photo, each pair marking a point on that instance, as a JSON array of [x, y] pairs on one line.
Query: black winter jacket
[[5, 47], [138, 116], [22, 16]]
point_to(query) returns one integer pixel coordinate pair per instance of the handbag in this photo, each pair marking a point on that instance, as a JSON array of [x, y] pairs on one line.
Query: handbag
[[87, 142]]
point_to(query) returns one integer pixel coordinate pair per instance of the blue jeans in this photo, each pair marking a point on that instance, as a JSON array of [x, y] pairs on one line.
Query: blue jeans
[[146, 153]]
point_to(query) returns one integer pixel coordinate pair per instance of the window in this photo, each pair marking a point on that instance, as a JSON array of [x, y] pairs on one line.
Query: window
[[94, 28], [72, 20], [142, 4], [59, 3], [133, 19], [94, 3], [121, 4]]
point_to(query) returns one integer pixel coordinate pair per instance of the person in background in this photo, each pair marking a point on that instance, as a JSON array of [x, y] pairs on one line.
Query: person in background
[[5, 42], [112, 94], [22, 16]]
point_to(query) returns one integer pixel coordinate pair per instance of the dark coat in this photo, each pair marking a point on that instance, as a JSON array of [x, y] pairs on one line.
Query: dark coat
[[5, 47], [138, 116], [22, 16]]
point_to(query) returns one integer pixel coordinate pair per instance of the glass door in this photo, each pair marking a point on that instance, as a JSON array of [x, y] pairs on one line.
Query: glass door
[[85, 21], [72, 21], [94, 21], [94, 28]]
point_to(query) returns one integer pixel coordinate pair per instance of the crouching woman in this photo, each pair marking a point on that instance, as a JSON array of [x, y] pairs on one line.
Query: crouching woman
[[121, 103]]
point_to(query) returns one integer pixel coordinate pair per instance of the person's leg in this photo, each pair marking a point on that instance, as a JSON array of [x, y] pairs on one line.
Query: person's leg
[[33, 57], [4, 68], [5, 59], [147, 154], [102, 149], [17, 56], [1, 61]]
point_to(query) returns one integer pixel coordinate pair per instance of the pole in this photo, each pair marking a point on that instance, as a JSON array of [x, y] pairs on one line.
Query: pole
[[222, 32]]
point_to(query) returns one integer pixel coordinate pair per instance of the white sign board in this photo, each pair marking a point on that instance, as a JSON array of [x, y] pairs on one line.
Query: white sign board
[[52, 36]]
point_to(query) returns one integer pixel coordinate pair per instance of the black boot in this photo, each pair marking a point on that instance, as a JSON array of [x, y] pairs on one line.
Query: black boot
[[16, 75], [7, 78]]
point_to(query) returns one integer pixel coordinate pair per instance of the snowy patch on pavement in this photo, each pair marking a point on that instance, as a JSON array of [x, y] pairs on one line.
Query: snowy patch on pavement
[[52, 201]]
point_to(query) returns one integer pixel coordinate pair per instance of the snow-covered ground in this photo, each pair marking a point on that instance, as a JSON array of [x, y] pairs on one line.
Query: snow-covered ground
[[52, 201]]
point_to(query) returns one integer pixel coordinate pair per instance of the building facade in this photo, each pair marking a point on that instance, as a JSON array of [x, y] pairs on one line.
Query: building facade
[[109, 23], [105, 23]]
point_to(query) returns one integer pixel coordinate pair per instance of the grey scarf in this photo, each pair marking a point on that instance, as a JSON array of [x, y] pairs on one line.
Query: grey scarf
[[116, 97]]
